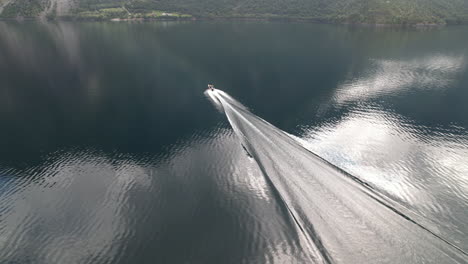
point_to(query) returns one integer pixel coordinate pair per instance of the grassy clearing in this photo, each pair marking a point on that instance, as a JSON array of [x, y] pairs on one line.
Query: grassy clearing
[[127, 13]]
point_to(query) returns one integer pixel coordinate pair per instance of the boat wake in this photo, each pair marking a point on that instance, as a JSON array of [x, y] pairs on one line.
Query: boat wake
[[334, 216]]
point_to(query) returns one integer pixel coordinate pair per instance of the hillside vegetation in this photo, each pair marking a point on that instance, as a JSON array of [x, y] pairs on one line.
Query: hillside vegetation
[[334, 11]]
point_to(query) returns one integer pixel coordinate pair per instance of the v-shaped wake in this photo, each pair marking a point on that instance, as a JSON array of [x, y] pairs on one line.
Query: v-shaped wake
[[335, 217]]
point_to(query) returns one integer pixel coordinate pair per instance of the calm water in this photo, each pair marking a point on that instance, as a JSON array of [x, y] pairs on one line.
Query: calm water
[[110, 152]]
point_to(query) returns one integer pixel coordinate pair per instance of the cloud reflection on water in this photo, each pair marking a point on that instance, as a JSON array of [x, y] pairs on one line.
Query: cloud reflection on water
[[425, 167], [391, 77], [425, 172]]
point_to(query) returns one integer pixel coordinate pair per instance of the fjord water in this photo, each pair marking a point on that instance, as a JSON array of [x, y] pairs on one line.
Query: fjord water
[[111, 153]]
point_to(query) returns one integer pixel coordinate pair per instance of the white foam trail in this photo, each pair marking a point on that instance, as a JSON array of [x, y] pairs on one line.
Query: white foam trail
[[335, 217], [210, 94]]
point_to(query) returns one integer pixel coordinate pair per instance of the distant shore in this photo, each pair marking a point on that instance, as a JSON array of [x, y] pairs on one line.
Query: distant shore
[[227, 18]]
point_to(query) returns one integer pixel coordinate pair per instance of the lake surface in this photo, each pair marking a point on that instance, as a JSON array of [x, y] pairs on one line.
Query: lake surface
[[111, 152]]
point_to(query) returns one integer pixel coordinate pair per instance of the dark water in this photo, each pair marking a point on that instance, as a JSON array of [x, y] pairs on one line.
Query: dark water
[[110, 152]]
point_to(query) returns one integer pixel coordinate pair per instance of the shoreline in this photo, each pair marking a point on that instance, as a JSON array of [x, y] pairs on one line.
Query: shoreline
[[193, 18]]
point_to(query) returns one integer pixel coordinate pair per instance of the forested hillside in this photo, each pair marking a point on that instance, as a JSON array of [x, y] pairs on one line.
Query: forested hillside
[[334, 11]]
